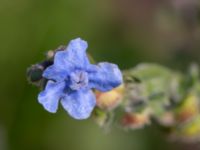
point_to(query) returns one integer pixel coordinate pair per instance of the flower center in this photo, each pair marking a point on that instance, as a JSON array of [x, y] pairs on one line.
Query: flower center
[[78, 79]]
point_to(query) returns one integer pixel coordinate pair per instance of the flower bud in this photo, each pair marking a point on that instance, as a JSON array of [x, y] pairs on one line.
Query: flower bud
[[189, 131], [34, 73], [188, 109], [135, 120], [111, 99]]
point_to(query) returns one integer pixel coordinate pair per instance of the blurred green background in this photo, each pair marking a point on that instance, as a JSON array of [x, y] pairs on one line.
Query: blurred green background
[[125, 32]]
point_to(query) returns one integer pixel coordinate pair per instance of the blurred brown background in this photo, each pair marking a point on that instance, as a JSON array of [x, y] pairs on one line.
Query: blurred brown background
[[125, 32]]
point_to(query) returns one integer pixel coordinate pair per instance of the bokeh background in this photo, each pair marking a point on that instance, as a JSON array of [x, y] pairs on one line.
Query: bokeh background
[[126, 32]]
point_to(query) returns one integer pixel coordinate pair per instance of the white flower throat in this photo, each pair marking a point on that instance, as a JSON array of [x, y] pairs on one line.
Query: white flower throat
[[78, 79]]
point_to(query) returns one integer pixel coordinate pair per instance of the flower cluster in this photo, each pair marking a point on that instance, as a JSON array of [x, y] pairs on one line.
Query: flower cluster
[[150, 94], [71, 79]]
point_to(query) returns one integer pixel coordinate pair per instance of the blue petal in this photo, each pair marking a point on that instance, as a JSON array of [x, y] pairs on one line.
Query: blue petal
[[50, 96], [74, 57], [106, 77], [79, 104], [54, 73]]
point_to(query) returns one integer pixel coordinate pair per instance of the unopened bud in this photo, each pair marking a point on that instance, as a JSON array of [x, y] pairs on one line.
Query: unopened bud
[[188, 109], [111, 99], [135, 120]]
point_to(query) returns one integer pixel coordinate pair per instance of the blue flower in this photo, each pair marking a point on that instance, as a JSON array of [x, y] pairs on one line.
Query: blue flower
[[72, 78]]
